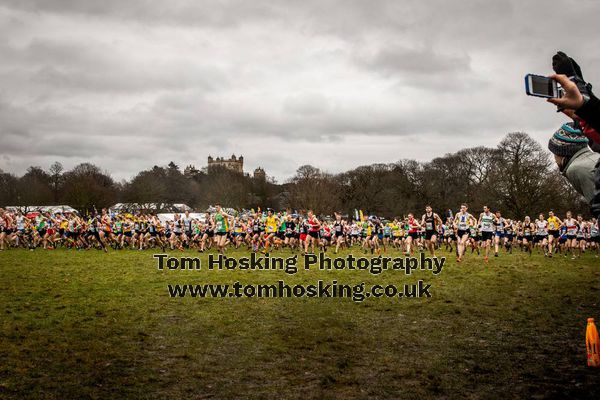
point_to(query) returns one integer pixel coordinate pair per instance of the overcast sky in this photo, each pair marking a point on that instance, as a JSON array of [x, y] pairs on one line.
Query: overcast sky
[[129, 84]]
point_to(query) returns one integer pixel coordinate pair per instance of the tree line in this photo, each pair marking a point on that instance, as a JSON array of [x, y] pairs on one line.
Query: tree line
[[517, 177]]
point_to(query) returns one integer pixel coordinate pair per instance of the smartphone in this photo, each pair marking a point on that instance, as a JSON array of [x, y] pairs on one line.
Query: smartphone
[[541, 86]]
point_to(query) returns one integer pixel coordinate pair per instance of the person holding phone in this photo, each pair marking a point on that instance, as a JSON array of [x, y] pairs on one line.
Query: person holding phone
[[575, 160], [577, 94], [577, 101]]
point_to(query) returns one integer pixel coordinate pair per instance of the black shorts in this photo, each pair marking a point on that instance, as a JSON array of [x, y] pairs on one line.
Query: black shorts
[[571, 237], [554, 233], [485, 235], [221, 233], [209, 233], [94, 234], [314, 234], [414, 235], [463, 232], [539, 238], [429, 234]]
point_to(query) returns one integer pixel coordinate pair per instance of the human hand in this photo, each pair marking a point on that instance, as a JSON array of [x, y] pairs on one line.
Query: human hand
[[572, 97], [569, 113]]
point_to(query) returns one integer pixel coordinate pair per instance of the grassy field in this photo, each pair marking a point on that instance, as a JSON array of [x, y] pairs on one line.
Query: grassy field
[[93, 325]]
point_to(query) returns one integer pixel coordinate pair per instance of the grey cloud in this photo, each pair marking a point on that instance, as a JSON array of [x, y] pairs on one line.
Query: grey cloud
[[397, 60], [97, 67], [129, 80], [306, 104], [225, 14], [333, 16], [130, 84]]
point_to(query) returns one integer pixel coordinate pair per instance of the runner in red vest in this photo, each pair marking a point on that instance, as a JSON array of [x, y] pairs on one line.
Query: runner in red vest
[[314, 226], [413, 232]]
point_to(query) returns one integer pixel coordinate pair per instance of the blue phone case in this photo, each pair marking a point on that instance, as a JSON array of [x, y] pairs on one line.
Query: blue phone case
[[528, 89]]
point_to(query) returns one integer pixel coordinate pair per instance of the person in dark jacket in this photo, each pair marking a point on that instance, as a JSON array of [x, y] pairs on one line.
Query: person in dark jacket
[[578, 100], [588, 109], [583, 106], [574, 159]]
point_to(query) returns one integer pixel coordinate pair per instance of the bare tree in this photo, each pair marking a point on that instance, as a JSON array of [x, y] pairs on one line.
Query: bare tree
[[313, 189], [87, 188], [56, 179], [522, 169], [8, 189], [34, 188]]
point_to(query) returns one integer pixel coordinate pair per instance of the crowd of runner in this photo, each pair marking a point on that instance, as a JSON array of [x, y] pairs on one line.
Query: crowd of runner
[[461, 233]]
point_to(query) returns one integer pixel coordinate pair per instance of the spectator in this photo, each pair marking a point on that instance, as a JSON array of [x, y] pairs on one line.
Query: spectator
[[575, 159]]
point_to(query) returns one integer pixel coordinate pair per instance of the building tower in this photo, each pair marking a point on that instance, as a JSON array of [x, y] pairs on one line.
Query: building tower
[[233, 163]]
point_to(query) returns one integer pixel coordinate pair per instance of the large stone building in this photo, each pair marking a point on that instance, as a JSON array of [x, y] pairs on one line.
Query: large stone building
[[260, 174], [234, 163]]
